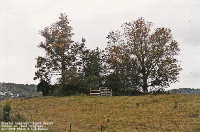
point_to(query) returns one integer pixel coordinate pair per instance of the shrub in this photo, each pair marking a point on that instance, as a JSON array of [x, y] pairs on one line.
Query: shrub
[[0, 113], [6, 112]]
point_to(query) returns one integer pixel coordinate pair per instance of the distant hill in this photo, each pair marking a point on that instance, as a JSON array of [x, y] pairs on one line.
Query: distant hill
[[22, 90], [184, 91]]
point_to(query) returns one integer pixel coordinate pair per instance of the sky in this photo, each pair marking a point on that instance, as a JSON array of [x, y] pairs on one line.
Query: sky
[[21, 21]]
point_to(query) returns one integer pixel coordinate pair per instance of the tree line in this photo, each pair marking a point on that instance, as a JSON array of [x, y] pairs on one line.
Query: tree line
[[135, 60]]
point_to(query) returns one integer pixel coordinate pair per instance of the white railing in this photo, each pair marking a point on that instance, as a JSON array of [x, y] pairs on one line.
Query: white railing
[[103, 91]]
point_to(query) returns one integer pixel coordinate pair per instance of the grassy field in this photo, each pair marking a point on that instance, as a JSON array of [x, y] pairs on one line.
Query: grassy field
[[134, 113]]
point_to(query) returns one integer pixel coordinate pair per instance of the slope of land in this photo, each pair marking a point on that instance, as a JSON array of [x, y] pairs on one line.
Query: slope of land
[[23, 90], [135, 113]]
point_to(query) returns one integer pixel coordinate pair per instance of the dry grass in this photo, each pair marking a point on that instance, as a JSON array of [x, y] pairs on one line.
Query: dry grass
[[136, 113]]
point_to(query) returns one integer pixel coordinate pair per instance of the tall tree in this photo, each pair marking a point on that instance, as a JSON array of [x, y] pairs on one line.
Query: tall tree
[[91, 68], [93, 63], [60, 51], [119, 60], [152, 56], [113, 81]]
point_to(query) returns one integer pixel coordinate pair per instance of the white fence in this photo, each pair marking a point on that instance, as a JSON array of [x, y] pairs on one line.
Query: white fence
[[103, 91]]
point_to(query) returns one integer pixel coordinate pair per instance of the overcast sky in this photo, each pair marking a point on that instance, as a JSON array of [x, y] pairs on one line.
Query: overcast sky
[[21, 21]]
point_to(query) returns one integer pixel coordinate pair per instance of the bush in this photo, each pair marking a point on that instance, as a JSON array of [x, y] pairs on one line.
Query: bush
[[6, 112], [1, 113]]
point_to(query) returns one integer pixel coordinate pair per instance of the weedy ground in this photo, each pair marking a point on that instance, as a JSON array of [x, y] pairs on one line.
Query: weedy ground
[[148, 113]]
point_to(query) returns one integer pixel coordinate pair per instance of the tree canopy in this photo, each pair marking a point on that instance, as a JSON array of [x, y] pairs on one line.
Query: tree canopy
[[148, 56], [59, 48], [136, 58], [44, 87]]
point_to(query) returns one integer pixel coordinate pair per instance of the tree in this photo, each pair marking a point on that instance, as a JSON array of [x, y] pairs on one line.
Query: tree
[[92, 82], [44, 87], [93, 63], [92, 67], [113, 81], [60, 52], [120, 62], [151, 56]]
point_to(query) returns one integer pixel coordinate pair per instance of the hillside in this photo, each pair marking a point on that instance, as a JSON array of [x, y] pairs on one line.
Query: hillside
[[23, 90], [184, 91], [135, 113]]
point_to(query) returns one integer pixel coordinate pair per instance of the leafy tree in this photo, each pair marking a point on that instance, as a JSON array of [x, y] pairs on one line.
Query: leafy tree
[[60, 52], [92, 67], [151, 57], [92, 62], [120, 62], [44, 87], [113, 81], [73, 82], [93, 82]]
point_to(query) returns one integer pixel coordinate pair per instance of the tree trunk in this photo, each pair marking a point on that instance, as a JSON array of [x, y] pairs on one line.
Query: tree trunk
[[144, 78], [63, 79], [145, 86]]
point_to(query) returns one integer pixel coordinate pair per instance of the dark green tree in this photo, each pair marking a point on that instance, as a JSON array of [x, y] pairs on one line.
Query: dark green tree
[[92, 67], [6, 112], [152, 54], [92, 63], [44, 87], [92, 82], [114, 82]]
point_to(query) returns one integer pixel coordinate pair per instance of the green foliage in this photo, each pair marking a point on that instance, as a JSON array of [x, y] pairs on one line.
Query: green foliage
[[6, 112], [93, 63], [44, 87], [6, 115], [148, 59], [93, 82], [61, 55], [72, 82], [59, 50], [113, 81], [138, 58]]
